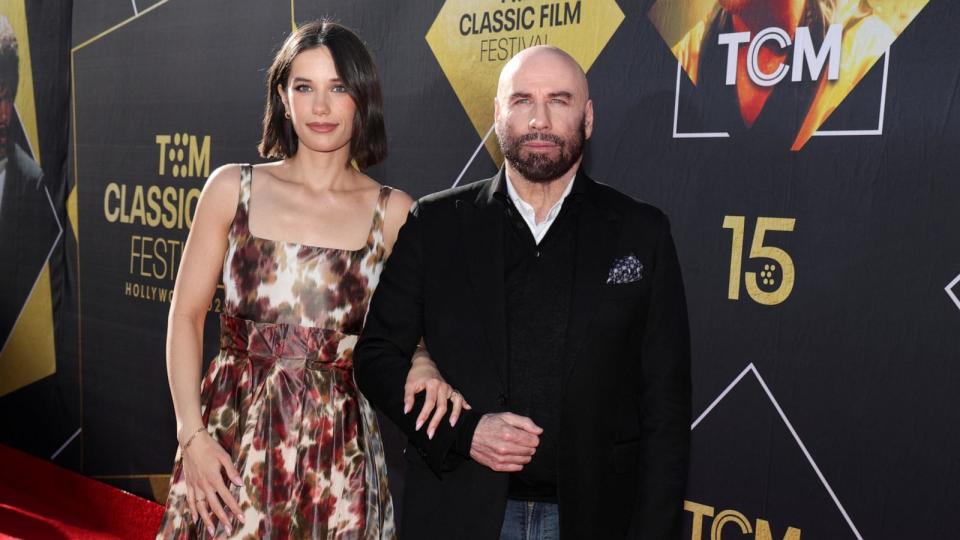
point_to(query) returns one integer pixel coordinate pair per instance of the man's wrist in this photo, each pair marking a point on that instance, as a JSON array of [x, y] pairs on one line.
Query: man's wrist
[[465, 428]]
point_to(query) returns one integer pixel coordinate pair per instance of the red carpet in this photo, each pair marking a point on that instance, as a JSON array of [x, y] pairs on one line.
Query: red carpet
[[41, 500]]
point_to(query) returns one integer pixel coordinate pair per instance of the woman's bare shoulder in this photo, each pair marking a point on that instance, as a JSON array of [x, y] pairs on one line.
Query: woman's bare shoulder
[[221, 192]]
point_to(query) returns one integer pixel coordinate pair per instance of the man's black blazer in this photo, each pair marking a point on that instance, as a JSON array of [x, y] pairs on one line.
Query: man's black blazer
[[625, 413], [28, 229]]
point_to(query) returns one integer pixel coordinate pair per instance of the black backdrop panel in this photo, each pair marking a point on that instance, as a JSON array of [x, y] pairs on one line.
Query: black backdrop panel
[[826, 411]]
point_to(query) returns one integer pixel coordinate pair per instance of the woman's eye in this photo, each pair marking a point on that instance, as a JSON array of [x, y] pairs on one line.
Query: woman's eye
[[339, 88], [302, 88]]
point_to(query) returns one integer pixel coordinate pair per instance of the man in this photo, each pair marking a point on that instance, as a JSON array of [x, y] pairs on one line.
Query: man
[[788, 110], [28, 226], [555, 305]]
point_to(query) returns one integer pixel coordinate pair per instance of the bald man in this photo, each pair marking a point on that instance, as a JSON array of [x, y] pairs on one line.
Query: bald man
[[555, 305]]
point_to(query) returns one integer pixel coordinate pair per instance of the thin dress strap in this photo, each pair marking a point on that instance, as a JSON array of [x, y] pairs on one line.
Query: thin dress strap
[[246, 180], [240, 226], [375, 237]]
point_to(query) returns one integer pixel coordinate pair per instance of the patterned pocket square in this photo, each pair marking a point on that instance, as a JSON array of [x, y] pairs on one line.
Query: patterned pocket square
[[625, 270]]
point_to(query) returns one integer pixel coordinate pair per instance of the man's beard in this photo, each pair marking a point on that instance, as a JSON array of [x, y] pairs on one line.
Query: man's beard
[[537, 166]]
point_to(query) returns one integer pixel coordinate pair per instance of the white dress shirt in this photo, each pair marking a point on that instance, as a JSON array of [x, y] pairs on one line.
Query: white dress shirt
[[529, 213]]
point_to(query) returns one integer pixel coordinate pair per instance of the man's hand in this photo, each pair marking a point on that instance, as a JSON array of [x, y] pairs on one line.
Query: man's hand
[[505, 442]]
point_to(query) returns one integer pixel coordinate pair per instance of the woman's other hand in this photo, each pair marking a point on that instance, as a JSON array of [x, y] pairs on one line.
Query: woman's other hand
[[203, 461]]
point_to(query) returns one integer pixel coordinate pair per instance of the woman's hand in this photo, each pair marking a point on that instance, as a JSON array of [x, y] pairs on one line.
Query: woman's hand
[[424, 376], [203, 461]]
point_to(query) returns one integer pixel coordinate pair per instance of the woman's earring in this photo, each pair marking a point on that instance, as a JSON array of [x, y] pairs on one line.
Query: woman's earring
[[286, 115]]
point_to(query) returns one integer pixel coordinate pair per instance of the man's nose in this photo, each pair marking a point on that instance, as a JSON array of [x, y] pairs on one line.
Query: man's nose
[[540, 118]]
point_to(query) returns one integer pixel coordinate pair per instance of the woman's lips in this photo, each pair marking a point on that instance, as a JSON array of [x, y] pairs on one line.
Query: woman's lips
[[321, 127]]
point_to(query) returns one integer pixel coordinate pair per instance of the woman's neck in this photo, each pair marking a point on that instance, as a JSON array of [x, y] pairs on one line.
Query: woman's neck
[[320, 171]]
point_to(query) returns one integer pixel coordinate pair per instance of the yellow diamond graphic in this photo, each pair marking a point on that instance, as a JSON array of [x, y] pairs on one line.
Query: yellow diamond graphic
[[689, 27], [473, 39]]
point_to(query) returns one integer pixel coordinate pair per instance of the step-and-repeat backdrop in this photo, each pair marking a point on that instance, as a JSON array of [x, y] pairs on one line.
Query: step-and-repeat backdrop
[[807, 158]]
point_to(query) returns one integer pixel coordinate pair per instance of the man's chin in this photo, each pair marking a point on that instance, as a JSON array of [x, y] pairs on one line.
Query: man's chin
[[540, 174]]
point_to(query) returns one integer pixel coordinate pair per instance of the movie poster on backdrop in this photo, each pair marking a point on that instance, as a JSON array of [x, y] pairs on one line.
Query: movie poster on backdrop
[[31, 227]]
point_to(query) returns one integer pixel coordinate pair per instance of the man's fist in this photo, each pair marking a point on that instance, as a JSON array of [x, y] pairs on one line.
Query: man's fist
[[505, 442]]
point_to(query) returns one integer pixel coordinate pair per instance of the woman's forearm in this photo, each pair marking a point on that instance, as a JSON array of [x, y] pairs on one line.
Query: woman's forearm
[[184, 359], [421, 357]]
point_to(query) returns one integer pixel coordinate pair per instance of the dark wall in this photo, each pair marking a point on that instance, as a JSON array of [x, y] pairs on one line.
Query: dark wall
[[828, 409]]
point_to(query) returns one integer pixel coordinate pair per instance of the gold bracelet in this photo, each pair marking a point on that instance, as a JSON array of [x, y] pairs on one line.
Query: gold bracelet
[[192, 436]]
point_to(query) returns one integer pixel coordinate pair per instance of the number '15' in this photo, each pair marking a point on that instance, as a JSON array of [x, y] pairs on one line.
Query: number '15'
[[759, 251]]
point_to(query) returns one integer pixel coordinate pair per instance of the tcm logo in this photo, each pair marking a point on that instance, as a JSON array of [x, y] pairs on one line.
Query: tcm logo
[[730, 520], [804, 54], [778, 69], [184, 155]]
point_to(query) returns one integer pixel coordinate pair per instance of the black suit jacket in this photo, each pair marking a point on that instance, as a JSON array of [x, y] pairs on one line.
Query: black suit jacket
[[28, 230], [625, 414]]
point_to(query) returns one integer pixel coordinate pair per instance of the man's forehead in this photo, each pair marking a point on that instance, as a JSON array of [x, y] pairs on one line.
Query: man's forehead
[[544, 70], [535, 83]]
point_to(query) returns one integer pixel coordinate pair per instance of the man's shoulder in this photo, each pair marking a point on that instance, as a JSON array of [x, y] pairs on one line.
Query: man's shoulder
[[625, 206], [448, 198], [26, 167]]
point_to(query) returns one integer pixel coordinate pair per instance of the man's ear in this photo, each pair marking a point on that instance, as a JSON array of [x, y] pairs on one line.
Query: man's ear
[[588, 118]]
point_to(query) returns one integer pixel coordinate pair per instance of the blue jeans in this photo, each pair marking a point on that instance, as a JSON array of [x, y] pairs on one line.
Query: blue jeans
[[525, 520]]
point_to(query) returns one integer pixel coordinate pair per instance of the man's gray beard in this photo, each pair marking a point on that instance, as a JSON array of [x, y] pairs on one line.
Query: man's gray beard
[[537, 167]]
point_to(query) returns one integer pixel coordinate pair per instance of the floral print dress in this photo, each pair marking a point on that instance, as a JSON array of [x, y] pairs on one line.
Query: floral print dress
[[280, 396]]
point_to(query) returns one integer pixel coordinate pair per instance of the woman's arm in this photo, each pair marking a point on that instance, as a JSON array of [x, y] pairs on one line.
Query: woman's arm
[[197, 279], [424, 376]]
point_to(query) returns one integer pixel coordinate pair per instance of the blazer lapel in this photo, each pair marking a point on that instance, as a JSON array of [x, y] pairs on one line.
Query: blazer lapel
[[481, 223], [598, 230]]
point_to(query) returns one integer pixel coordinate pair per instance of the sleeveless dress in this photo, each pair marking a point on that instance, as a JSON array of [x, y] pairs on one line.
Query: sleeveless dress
[[280, 396]]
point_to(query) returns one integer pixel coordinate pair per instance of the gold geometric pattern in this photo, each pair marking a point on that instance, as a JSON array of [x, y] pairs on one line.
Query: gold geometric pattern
[[473, 39], [29, 354]]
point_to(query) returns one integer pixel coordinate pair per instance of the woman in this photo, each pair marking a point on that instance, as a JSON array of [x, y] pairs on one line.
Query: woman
[[279, 441]]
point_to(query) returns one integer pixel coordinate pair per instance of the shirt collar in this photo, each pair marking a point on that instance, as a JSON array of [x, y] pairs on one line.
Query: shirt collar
[[506, 192]]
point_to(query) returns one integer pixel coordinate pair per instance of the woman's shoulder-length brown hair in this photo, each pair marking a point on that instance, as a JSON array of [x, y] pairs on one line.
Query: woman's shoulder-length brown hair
[[355, 67]]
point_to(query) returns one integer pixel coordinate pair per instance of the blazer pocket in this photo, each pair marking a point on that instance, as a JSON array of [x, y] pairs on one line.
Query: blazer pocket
[[415, 456], [622, 292]]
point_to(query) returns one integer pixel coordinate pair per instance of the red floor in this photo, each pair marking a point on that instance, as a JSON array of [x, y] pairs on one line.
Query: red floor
[[41, 500]]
